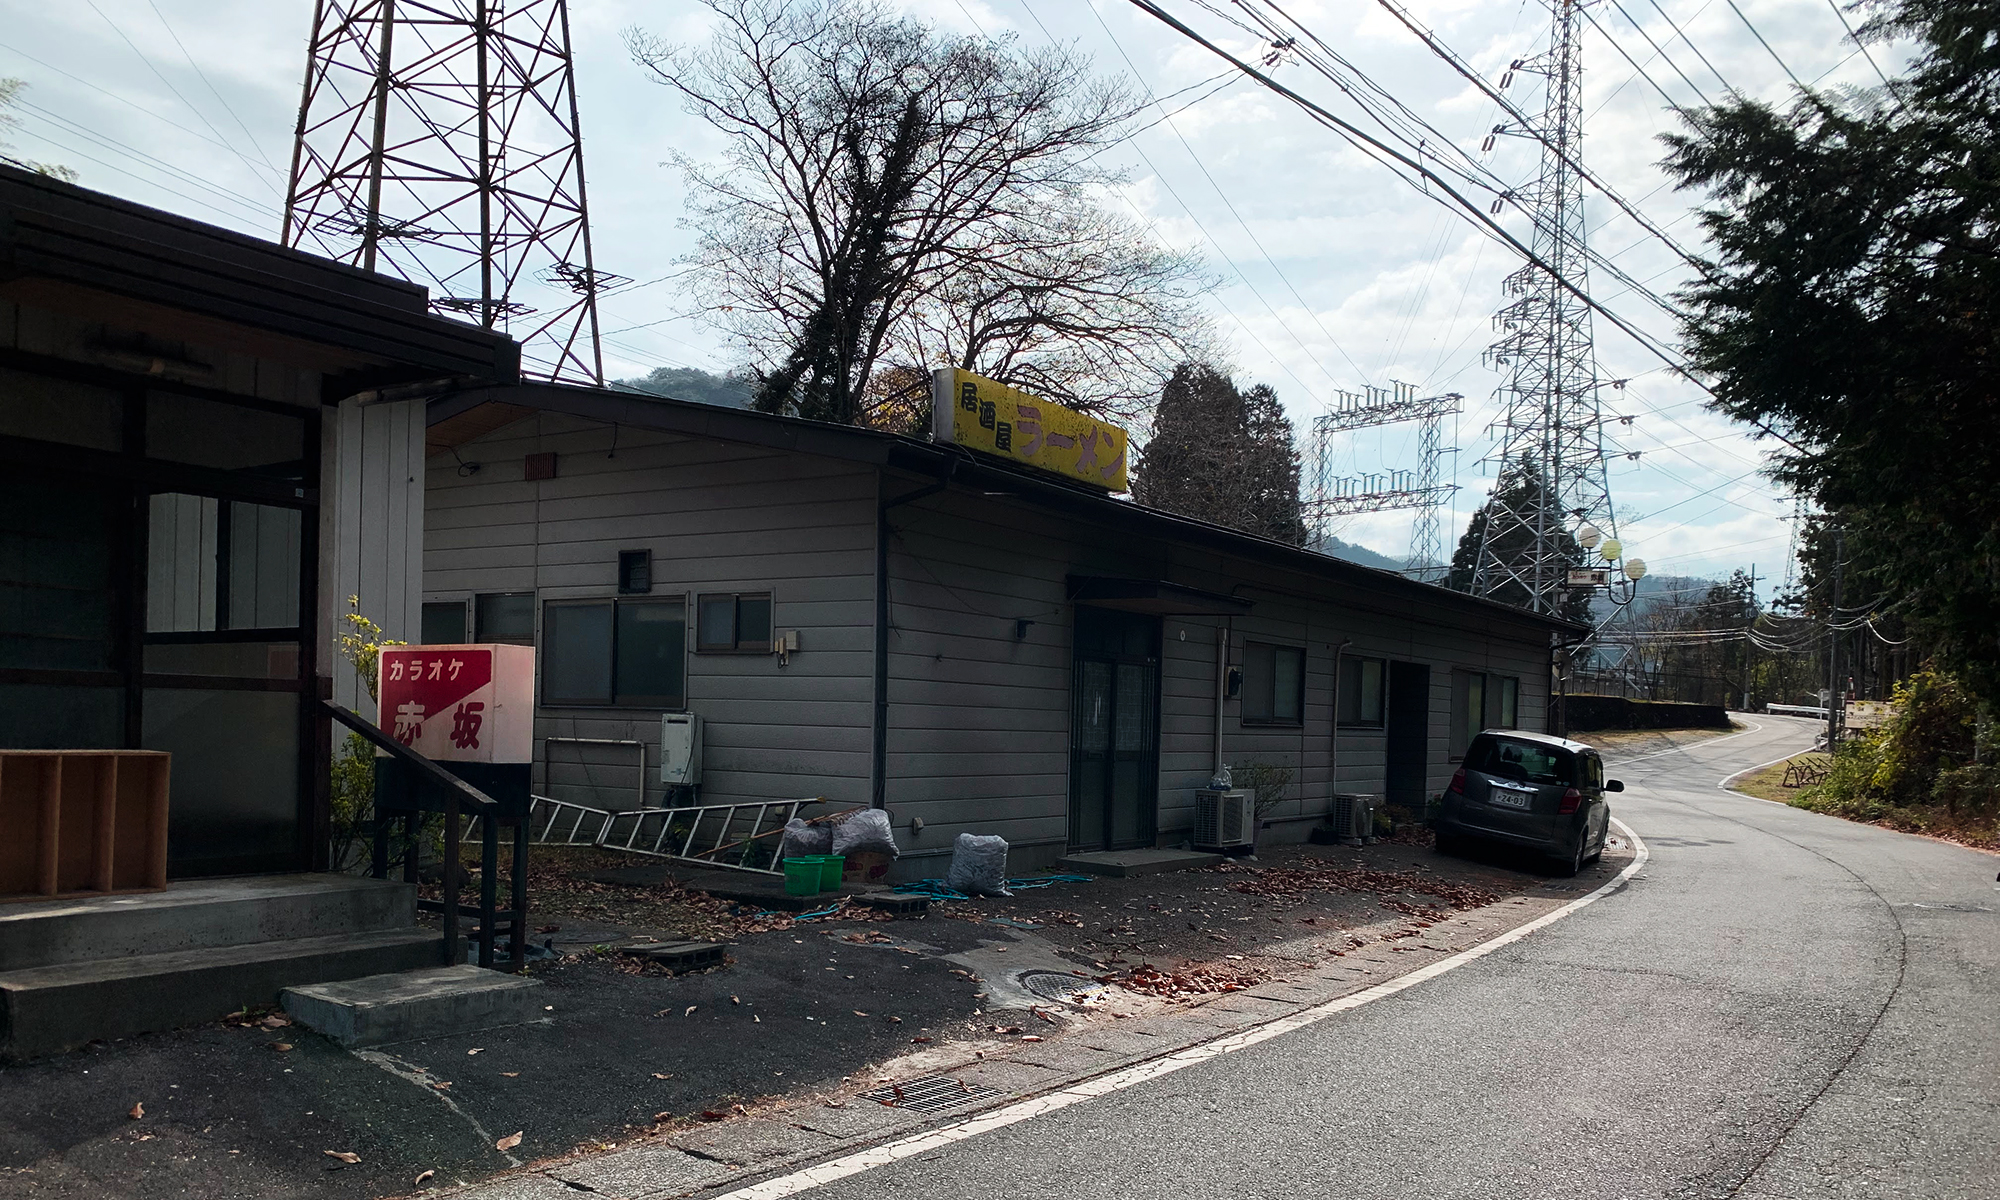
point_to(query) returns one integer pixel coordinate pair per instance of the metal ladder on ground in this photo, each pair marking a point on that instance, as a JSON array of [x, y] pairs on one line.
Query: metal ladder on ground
[[668, 832]]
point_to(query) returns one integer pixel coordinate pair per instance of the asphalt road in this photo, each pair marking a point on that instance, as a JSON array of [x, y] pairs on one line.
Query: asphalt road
[[1779, 1005]]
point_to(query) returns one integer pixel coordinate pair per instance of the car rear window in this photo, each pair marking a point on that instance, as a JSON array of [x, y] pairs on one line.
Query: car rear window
[[1529, 761]]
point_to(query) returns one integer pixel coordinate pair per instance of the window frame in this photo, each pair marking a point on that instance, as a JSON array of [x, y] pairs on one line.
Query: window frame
[[1272, 720], [1361, 720], [737, 645], [617, 697]]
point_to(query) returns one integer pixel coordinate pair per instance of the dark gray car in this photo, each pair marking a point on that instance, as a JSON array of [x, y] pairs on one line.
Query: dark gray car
[[1530, 790]]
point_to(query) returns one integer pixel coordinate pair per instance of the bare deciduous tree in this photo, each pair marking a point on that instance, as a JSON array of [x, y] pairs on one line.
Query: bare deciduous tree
[[892, 199]]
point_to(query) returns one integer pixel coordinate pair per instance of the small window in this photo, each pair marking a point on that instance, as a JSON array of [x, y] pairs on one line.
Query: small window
[[444, 623], [1505, 695], [504, 617], [734, 622], [1468, 709], [1361, 691], [1274, 682], [614, 652]]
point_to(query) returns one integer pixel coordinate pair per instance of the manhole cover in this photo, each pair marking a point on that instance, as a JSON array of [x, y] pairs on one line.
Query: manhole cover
[[934, 1095], [1059, 987]]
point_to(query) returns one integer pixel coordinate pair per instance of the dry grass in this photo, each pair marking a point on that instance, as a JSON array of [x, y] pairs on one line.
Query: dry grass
[[1767, 783]]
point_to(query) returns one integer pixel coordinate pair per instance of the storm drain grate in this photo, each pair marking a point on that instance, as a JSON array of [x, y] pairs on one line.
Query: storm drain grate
[[1059, 987], [934, 1095]]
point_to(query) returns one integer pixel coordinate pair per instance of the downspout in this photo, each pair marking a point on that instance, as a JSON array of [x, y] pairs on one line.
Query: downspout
[[1333, 738], [879, 784], [1224, 633]]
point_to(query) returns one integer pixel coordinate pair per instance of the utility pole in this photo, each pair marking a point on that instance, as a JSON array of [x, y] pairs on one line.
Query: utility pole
[[1836, 708], [1748, 645]]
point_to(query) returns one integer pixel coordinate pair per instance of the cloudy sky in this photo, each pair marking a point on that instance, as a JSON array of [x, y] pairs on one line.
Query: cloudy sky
[[1338, 273]]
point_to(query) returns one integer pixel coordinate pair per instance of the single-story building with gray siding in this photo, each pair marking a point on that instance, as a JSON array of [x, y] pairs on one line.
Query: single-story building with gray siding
[[975, 646]]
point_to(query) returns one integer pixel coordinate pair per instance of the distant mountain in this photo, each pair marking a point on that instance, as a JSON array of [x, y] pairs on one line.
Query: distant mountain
[[1657, 589], [1333, 547], [694, 384]]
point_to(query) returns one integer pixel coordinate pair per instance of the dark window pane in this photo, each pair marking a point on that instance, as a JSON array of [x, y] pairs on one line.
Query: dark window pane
[[576, 654], [209, 433], [56, 410], [1370, 694], [59, 575], [180, 563], [1510, 702], [652, 642], [1288, 684], [1527, 761], [718, 623], [753, 623], [505, 617], [1259, 665], [444, 623]]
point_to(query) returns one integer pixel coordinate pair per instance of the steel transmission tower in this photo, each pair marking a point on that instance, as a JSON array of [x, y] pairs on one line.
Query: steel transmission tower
[[438, 140], [1550, 432], [1333, 496]]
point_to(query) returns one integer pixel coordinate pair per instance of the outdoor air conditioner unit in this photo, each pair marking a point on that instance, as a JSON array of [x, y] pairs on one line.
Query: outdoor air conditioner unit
[[1224, 820], [1353, 818]]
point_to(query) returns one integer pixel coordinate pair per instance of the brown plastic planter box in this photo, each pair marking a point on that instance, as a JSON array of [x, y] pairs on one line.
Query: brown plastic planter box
[[82, 821]]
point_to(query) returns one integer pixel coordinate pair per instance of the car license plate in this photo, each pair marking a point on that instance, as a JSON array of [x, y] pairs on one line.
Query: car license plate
[[1508, 797]]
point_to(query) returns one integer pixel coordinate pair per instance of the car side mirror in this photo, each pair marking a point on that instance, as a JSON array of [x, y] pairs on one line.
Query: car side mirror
[[1613, 785]]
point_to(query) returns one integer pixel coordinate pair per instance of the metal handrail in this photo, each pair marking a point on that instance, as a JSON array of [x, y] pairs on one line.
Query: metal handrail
[[458, 795]]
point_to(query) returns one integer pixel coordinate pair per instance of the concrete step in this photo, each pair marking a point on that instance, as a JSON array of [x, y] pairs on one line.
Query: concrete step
[[1144, 861], [408, 1005], [198, 914], [44, 1010]]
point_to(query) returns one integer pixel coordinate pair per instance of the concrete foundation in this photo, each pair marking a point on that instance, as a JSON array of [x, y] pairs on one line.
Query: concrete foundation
[[409, 1005]]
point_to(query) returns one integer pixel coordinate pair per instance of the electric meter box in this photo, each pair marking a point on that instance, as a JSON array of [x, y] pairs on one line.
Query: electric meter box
[[680, 749]]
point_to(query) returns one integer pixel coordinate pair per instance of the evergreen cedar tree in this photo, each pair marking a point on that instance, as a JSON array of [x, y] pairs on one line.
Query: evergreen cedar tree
[[1224, 456], [1522, 487], [1849, 309]]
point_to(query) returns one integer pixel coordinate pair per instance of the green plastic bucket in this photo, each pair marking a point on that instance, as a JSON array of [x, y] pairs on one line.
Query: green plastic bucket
[[802, 874], [830, 868]]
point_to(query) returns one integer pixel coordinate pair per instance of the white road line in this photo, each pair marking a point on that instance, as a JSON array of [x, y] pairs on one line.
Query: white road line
[[1117, 1081]]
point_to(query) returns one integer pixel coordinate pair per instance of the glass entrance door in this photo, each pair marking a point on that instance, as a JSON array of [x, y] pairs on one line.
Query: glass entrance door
[[1114, 730]]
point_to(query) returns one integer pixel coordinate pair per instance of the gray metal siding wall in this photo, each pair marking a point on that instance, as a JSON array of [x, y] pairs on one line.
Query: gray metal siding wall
[[376, 491], [978, 721], [717, 518]]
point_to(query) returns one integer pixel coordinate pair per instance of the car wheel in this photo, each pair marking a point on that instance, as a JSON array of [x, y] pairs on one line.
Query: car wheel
[[1572, 862]]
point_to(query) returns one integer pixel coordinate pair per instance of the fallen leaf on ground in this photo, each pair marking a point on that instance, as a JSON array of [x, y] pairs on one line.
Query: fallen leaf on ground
[[662, 1116], [756, 1019], [859, 1013], [895, 1020], [275, 1021], [690, 1010], [476, 1050], [1031, 1038], [919, 1040], [138, 1110], [734, 1000], [281, 1047], [548, 929], [419, 1180], [509, 1142], [657, 1075], [346, 1156], [511, 1074], [441, 1084], [709, 1114]]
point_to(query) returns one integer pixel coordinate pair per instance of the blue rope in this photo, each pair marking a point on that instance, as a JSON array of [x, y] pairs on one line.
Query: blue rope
[[938, 890]]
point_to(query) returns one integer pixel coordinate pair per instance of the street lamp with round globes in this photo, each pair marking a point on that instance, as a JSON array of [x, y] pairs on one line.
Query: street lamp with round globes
[[1635, 569], [1612, 549], [1588, 535]]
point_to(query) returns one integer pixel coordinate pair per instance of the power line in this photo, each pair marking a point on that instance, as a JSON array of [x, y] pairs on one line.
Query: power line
[[1767, 46]]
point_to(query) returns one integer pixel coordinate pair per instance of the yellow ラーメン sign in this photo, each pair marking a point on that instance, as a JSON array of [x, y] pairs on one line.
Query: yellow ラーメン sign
[[979, 414]]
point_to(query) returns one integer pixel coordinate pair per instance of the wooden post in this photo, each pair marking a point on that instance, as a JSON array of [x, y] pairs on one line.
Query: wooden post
[[51, 824], [107, 822], [156, 815]]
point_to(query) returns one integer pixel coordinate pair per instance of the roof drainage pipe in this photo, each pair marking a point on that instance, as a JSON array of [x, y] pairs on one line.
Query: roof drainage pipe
[[879, 781]]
